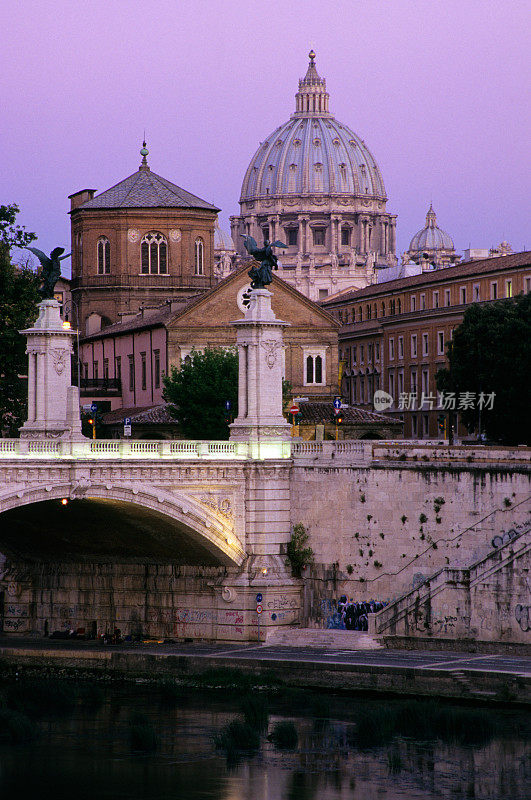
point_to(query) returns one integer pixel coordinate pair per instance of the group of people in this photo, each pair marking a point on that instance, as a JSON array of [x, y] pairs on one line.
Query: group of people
[[352, 616]]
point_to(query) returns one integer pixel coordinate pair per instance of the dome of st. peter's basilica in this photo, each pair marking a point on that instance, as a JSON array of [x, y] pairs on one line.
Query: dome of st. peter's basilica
[[314, 185]]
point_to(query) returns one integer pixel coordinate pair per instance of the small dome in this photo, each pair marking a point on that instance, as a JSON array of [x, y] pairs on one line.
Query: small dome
[[431, 237], [222, 239]]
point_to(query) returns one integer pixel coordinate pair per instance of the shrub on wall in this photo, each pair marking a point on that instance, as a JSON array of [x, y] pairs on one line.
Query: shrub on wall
[[299, 554]]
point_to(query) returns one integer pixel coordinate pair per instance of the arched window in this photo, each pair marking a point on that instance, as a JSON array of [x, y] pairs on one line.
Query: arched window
[[104, 256], [369, 311], [383, 309], [199, 257], [154, 252]]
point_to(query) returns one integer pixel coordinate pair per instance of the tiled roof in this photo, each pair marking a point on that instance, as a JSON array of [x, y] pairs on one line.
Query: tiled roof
[[324, 412], [150, 319], [144, 415], [463, 270], [146, 189]]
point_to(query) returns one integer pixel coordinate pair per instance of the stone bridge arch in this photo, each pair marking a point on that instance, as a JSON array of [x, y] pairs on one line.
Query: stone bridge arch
[[210, 528]]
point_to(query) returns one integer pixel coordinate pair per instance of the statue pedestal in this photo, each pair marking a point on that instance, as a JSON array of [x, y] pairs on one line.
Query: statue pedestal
[[53, 404], [261, 359]]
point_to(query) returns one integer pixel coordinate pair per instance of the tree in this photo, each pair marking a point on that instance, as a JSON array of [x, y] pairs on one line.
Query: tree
[[18, 299], [491, 353], [199, 391]]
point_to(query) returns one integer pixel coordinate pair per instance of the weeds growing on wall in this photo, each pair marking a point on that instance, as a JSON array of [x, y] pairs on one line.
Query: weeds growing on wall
[[300, 555]]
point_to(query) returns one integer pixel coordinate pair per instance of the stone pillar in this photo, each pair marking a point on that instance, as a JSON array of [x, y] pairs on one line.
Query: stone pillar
[[51, 398], [260, 342]]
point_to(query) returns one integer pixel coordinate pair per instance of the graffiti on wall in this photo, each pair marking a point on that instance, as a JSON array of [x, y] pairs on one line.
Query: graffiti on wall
[[522, 615]]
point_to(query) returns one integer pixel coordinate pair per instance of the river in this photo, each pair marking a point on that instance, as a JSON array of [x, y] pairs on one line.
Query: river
[[87, 754]]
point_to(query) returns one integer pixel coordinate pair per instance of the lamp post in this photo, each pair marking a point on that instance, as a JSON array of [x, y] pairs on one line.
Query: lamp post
[[70, 306]]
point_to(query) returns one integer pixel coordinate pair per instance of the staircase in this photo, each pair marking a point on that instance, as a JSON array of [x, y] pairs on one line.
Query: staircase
[[322, 639], [414, 612]]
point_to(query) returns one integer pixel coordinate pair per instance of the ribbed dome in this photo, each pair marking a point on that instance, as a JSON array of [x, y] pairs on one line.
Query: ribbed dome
[[431, 237], [312, 153], [222, 239]]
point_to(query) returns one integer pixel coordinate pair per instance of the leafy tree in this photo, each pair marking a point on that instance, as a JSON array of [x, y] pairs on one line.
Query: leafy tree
[[18, 299], [199, 391], [491, 352]]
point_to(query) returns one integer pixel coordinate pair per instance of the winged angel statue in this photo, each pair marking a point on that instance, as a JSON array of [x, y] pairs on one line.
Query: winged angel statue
[[263, 275], [50, 269]]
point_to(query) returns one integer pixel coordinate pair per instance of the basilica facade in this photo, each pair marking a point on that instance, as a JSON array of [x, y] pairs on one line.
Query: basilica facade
[[314, 185]]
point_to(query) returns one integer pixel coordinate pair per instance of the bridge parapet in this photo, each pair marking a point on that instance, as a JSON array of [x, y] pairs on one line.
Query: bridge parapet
[[144, 449]]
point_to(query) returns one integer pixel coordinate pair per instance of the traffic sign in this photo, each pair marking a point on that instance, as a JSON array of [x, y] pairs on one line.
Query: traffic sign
[[337, 403], [127, 426], [259, 597], [227, 405], [94, 407], [294, 409], [259, 608]]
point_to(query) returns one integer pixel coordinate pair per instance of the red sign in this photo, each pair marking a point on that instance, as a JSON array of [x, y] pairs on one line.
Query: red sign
[[259, 608], [294, 410]]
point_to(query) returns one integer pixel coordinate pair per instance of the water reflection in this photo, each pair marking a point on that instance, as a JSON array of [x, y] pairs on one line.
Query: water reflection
[[87, 755]]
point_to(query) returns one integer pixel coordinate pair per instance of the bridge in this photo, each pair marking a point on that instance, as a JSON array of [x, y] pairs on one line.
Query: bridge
[[187, 539]]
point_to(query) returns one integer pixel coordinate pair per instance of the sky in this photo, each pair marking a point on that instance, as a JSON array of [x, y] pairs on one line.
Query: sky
[[438, 89]]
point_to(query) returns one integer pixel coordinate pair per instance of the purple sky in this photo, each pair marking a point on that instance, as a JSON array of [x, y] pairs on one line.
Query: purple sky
[[436, 88]]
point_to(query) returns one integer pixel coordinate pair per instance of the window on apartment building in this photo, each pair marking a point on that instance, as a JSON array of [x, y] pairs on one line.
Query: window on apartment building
[[425, 426], [414, 426], [362, 390], [447, 297], [462, 295], [399, 306], [154, 254], [414, 384], [392, 307], [118, 368], [424, 381], [345, 236], [383, 308], [323, 294], [156, 377], [494, 290], [475, 292], [369, 311], [362, 353], [425, 344], [375, 311], [360, 314], [377, 351], [527, 284], [104, 256], [143, 370], [315, 368], [353, 388], [319, 236], [436, 299], [391, 349], [95, 368], [440, 343], [376, 382], [131, 361], [413, 303], [400, 379], [85, 370], [400, 347], [106, 368], [413, 345], [369, 352], [392, 384], [422, 302], [354, 354], [508, 288]]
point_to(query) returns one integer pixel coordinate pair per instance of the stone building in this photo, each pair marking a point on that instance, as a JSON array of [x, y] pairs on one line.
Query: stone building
[[142, 241], [394, 335], [225, 255], [314, 185]]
